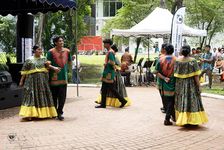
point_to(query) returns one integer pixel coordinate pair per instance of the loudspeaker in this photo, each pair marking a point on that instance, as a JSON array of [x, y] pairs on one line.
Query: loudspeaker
[[5, 79], [14, 70], [11, 97]]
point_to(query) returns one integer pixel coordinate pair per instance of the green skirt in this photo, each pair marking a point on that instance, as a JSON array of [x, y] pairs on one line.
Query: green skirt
[[188, 104], [37, 101], [111, 100]]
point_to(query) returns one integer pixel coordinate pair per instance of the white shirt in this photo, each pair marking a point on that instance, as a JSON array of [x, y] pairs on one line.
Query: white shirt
[[74, 64]]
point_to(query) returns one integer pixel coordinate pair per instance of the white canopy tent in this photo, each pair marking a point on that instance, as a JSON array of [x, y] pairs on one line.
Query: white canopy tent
[[157, 23]]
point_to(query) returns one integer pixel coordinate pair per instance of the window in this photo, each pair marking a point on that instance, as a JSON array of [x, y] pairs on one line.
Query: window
[[110, 7]]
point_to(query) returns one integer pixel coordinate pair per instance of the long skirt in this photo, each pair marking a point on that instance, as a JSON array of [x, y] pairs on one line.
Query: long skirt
[[188, 104], [37, 101], [111, 100]]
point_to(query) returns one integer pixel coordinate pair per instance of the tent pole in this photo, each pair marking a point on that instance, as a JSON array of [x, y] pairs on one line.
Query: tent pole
[[76, 41], [148, 47]]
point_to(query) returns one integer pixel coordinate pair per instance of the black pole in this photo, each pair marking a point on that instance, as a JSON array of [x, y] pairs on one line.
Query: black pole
[[24, 30], [76, 41], [148, 47]]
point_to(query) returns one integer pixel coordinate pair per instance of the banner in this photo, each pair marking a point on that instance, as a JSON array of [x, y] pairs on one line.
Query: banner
[[177, 30]]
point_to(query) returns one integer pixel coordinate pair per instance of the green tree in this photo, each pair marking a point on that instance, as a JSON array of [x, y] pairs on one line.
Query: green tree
[[7, 34], [63, 23], [207, 15], [132, 12]]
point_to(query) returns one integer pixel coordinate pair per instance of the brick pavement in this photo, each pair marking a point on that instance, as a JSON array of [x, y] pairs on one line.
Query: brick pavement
[[137, 127]]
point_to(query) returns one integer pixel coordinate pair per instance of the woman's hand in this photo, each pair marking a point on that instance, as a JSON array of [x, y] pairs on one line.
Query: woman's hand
[[21, 84], [167, 79], [57, 69]]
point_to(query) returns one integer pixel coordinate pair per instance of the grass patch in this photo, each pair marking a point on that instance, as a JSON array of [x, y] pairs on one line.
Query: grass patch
[[216, 89], [92, 66]]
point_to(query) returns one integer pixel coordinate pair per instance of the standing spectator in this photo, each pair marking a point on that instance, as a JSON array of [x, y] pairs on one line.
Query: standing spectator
[[108, 77], [75, 76], [60, 57], [188, 104], [37, 100], [165, 71], [126, 60], [207, 64]]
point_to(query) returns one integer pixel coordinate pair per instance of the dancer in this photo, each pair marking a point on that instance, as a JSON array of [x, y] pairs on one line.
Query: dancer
[[108, 76], [60, 57], [37, 100], [111, 99], [188, 104], [165, 70]]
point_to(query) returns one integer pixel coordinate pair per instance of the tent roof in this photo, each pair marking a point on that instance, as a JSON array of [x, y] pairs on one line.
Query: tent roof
[[15, 7], [157, 23]]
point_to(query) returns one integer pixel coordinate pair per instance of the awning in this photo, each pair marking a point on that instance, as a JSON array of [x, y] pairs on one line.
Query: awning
[[15, 7]]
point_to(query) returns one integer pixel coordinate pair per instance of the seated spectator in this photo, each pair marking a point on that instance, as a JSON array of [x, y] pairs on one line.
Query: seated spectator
[[126, 60]]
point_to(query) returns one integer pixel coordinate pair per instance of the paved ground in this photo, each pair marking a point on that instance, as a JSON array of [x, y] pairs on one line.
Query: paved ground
[[137, 127]]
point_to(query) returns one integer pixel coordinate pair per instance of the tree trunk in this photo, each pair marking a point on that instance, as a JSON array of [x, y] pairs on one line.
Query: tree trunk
[[40, 29], [162, 4], [176, 5]]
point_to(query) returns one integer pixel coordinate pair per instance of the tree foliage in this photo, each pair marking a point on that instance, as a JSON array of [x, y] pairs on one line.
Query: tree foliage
[[132, 12], [63, 23], [207, 15], [7, 34], [202, 14]]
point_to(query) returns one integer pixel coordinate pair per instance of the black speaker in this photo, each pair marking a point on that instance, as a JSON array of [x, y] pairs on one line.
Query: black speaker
[[5, 79], [14, 70], [11, 97]]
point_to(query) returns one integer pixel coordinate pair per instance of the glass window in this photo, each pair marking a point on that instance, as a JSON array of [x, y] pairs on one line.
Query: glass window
[[106, 9], [119, 5], [112, 9]]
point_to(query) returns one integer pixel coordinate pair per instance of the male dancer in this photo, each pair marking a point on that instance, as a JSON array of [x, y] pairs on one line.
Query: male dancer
[[60, 57], [109, 76]]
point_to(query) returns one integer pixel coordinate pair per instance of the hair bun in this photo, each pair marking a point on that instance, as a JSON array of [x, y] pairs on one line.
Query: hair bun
[[35, 47], [186, 50]]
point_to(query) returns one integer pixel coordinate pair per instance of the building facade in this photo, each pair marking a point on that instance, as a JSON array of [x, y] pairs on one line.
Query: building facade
[[104, 10]]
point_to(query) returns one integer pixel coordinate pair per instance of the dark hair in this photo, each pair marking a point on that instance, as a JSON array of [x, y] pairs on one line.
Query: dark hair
[[164, 45], [114, 47], [193, 49], [208, 46], [56, 38], [35, 47], [169, 49], [109, 41], [127, 49], [186, 49], [198, 48]]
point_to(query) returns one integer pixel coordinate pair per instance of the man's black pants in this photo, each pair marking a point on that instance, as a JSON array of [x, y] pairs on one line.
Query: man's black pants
[[104, 90], [170, 111], [163, 99], [59, 96]]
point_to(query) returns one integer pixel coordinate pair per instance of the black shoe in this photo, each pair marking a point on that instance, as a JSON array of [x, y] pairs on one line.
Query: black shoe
[[60, 117], [173, 118], [163, 110], [123, 103], [100, 106], [167, 123]]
